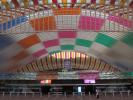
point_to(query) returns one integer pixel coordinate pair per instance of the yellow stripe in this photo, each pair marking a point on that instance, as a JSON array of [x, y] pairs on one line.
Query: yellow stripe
[[122, 3], [49, 62], [126, 16], [82, 1], [6, 4], [44, 63], [102, 2], [92, 63], [97, 64], [3, 1], [67, 11], [90, 67], [45, 2], [39, 65], [101, 66], [53, 60], [29, 66], [26, 3], [64, 3], [34, 66]]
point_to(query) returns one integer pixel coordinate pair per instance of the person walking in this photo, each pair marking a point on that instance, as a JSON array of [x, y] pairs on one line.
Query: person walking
[[97, 93]]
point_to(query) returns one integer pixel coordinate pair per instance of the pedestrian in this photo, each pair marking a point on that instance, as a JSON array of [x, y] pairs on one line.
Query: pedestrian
[[97, 93]]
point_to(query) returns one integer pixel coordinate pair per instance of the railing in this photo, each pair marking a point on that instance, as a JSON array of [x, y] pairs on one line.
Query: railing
[[114, 93], [20, 90], [20, 93], [103, 93]]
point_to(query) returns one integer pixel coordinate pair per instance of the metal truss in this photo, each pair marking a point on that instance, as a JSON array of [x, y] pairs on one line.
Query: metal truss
[[16, 21]]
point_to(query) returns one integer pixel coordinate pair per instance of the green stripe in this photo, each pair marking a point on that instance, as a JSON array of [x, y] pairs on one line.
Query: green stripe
[[105, 40], [54, 52], [82, 42], [67, 47], [128, 39]]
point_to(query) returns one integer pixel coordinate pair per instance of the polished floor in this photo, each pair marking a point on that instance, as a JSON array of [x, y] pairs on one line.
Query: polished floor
[[60, 97]]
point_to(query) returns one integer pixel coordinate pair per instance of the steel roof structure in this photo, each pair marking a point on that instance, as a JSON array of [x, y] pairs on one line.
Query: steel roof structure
[[37, 32]]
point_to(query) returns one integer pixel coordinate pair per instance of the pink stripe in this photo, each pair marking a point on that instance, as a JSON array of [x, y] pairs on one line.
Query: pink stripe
[[67, 34], [51, 43], [56, 2], [89, 76], [35, 2], [112, 2], [93, 1], [40, 53], [73, 3], [90, 23], [131, 4], [121, 21]]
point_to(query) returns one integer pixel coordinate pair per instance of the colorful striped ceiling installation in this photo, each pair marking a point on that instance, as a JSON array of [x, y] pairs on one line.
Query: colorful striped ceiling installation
[[78, 61], [11, 9], [32, 29]]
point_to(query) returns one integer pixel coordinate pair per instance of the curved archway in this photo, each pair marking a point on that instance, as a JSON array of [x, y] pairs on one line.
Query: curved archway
[[69, 60], [104, 45]]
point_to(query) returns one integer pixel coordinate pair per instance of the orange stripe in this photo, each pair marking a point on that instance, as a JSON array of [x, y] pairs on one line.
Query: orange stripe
[[67, 11], [45, 2], [26, 3], [29, 41], [20, 56], [6, 4], [46, 23], [64, 3], [102, 2], [122, 3]]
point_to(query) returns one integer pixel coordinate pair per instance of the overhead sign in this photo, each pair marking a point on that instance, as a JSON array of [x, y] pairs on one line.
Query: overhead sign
[[68, 75]]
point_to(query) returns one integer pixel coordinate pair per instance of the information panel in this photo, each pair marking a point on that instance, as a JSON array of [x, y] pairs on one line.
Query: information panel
[[68, 75]]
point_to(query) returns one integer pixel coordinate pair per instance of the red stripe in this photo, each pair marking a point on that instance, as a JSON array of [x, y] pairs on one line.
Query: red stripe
[[67, 34], [73, 3], [16, 4], [131, 4], [35, 2], [93, 1], [56, 3], [61, 58], [55, 57], [112, 2], [51, 43], [40, 53]]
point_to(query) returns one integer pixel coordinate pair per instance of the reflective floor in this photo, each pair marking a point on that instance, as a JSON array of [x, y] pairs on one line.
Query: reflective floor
[[69, 97]]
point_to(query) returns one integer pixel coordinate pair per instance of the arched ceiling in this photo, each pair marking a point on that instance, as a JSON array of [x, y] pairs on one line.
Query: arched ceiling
[[34, 35], [69, 60], [13, 8]]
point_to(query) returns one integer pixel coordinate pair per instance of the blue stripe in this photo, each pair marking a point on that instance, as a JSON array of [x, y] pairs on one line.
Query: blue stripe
[[0, 27], [13, 23], [5, 41]]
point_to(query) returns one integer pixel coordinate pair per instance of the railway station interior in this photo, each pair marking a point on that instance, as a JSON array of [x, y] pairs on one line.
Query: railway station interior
[[66, 49]]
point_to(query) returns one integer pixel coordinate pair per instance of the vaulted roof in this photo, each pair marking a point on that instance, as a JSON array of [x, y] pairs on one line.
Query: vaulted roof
[[32, 29]]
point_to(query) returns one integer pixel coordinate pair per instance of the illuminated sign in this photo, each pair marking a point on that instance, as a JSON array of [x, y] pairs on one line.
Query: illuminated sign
[[89, 81], [45, 81]]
